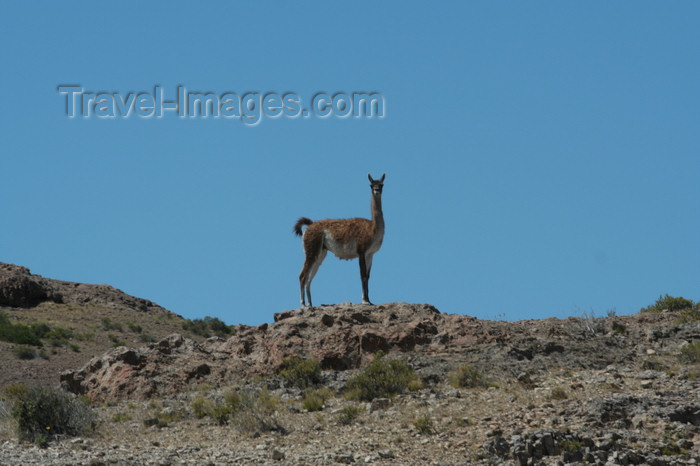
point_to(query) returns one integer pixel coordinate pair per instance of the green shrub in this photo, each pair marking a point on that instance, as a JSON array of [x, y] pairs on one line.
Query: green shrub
[[18, 333], [43, 413], [669, 303], [87, 336], [24, 352], [690, 353], [134, 327], [249, 411], [121, 417], [116, 341], [348, 414], [202, 407], [106, 324], [619, 327], [424, 425], [465, 376], [570, 445], [220, 412], [301, 373], [209, 326], [58, 333], [381, 379], [256, 411], [27, 353], [15, 392], [558, 393], [162, 418], [40, 329], [233, 399], [146, 338], [690, 315], [314, 400]]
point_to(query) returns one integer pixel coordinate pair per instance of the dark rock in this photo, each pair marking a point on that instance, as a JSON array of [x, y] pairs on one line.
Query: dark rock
[[345, 458], [497, 446], [688, 414], [19, 288]]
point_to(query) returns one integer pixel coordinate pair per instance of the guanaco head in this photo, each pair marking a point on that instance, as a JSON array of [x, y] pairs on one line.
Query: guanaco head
[[376, 185]]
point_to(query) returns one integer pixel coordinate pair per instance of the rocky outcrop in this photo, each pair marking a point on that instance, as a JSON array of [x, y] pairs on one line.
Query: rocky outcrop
[[346, 336], [340, 337], [125, 373], [20, 288]]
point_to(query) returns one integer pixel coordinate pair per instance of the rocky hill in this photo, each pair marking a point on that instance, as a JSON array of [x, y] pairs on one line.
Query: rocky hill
[[77, 321], [559, 391], [347, 336], [585, 390]]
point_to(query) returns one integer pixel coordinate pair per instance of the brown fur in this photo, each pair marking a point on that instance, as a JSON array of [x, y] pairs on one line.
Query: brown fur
[[345, 231]]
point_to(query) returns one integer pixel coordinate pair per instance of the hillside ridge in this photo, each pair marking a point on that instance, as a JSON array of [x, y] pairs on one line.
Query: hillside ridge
[[75, 322], [20, 288]]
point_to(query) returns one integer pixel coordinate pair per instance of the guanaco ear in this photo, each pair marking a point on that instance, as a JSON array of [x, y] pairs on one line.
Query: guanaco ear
[[381, 180], [370, 178]]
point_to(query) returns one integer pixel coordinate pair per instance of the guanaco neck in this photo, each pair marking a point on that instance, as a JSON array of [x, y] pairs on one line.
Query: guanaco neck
[[377, 215]]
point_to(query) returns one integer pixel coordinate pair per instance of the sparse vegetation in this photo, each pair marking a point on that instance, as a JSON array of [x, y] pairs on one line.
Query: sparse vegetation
[[314, 400], [18, 333], [301, 373], [116, 341], [256, 412], [670, 303], [690, 315], [219, 411], [559, 393], [121, 417], [590, 324], [570, 445], [249, 411], [208, 327], [690, 353], [202, 407], [43, 413], [58, 336], [163, 418], [349, 413], [107, 325], [146, 338], [86, 336], [382, 379], [424, 425], [619, 327], [135, 328], [465, 376], [24, 352]]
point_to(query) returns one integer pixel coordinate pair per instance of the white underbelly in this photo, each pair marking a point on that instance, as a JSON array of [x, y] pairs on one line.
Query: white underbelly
[[341, 250]]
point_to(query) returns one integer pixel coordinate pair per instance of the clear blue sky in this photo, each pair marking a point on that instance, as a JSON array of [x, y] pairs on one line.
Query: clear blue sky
[[541, 160]]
